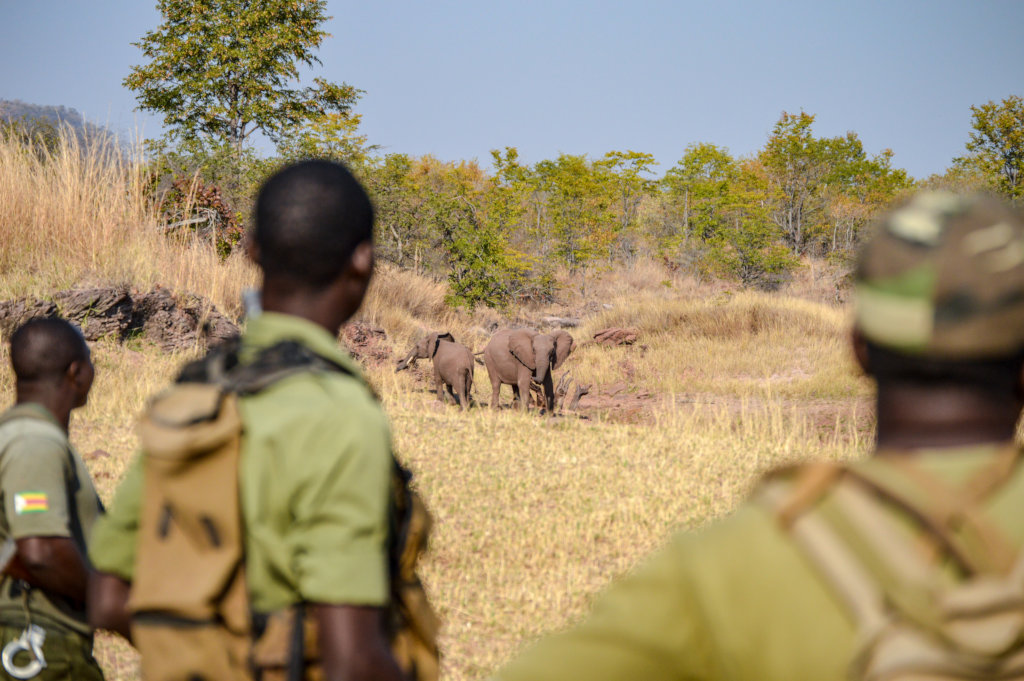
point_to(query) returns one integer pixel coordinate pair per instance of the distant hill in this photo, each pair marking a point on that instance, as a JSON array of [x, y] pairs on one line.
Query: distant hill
[[17, 110]]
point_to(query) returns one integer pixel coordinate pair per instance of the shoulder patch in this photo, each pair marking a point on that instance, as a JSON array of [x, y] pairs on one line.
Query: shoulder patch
[[31, 502]]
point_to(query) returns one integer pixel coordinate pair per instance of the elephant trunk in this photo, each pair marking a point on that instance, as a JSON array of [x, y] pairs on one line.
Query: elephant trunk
[[404, 363], [542, 370]]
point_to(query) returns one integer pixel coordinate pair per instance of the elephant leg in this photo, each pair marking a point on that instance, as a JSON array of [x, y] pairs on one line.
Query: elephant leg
[[467, 388], [524, 392], [439, 387], [495, 389]]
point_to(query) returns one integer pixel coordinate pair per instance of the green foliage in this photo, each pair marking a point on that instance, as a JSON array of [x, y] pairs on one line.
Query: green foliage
[[39, 135], [746, 243], [813, 181], [333, 136], [236, 175], [625, 170], [996, 146], [452, 218], [220, 70], [698, 187], [577, 200]]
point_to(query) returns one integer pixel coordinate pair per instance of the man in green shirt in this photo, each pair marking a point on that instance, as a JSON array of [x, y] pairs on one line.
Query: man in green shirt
[[940, 327], [48, 508], [316, 466]]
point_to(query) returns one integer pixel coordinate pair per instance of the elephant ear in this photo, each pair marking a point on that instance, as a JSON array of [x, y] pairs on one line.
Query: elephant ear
[[447, 336], [433, 341], [520, 344], [563, 346]]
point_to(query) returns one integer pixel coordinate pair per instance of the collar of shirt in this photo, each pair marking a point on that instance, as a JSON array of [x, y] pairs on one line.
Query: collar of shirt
[[270, 328], [33, 409]]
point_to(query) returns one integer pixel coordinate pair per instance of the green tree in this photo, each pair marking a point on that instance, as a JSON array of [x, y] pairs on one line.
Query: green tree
[[221, 70], [996, 144], [698, 186], [795, 165], [748, 244], [626, 170], [334, 135], [578, 199], [398, 201]]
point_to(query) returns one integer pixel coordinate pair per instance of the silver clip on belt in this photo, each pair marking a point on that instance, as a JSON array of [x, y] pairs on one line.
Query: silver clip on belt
[[31, 641]]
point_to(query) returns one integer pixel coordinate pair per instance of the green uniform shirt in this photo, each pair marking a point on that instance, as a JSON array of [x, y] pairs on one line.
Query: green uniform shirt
[[46, 491], [314, 477], [736, 600]]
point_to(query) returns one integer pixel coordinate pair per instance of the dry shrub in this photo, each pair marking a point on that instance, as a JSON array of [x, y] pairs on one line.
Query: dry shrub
[[82, 214], [407, 304]]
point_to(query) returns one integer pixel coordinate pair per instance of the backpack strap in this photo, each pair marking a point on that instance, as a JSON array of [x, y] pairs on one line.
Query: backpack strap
[[979, 546], [831, 556], [221, 366], [860, 548]]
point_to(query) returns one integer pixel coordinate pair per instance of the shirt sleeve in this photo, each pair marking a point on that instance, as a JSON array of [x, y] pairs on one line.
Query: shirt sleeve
[[34, 474], [339, 508], [113, 541]]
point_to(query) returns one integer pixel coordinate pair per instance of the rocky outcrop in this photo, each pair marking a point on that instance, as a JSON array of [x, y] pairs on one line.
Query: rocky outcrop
[[173, 322], [616, 336], [366, 342]]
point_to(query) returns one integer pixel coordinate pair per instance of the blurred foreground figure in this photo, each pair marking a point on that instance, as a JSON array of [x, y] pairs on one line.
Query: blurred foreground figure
[[49, 506], [266, 530], [905, 566]]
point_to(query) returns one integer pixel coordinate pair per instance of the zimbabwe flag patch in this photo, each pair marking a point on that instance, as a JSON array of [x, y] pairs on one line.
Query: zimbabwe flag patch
[[31, 502]]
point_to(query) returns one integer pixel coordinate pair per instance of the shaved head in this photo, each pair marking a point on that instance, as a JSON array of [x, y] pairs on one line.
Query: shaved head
[[309, 219], [43, 349]]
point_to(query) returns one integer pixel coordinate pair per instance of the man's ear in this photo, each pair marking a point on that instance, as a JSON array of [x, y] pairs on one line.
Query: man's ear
[[860, 350], [361, 263], [79, 376], [251, 249]]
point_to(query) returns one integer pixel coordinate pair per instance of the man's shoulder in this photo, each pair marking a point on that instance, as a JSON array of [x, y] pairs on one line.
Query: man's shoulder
[[25, 426], [319, 392]]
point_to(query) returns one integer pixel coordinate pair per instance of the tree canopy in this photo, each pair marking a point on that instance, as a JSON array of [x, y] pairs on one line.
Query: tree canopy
[[221, 70], [996, 145]]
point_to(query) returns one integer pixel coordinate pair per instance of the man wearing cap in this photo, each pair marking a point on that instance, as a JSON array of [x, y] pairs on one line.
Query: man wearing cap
[[818, 575]]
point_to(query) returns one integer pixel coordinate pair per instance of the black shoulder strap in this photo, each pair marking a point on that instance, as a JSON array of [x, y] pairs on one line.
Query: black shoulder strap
[[221, 366]]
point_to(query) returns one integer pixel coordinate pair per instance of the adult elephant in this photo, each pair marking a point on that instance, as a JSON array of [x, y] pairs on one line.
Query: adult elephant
[[518, 356]]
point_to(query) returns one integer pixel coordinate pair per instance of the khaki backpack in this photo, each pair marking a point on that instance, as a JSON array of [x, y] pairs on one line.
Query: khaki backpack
[[190, 612], [948, 607]]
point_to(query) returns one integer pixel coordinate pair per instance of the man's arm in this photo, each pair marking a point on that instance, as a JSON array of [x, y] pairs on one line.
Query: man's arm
[[112, 551], [53, 564], [107, 603], [353, 644]]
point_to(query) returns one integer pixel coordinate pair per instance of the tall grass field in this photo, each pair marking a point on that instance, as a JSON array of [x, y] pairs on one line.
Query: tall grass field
[[534, 515]]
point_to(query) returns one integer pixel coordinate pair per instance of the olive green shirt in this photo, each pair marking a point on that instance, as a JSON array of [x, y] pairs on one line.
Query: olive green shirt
[[737, 600], [45, 491], [314, 479]]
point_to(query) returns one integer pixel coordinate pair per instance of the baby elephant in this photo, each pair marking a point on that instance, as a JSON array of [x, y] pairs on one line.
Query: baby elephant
[[453, 365]]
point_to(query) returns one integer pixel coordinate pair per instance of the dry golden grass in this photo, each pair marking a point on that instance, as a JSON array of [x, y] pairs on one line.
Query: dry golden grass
[[534, 515], [81, 215]]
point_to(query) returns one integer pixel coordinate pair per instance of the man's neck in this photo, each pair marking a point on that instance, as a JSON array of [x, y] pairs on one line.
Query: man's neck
[[321, 308], [49, 400], [914, 417]]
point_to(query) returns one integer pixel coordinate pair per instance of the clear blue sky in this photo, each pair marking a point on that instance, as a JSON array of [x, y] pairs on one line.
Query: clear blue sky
[[457, 78]]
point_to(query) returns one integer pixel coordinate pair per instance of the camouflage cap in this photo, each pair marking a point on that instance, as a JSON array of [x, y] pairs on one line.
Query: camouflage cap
[[943, 277]]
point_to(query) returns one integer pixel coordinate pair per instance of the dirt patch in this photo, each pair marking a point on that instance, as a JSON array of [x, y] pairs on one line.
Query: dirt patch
[[172, 322], [617, 403]]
